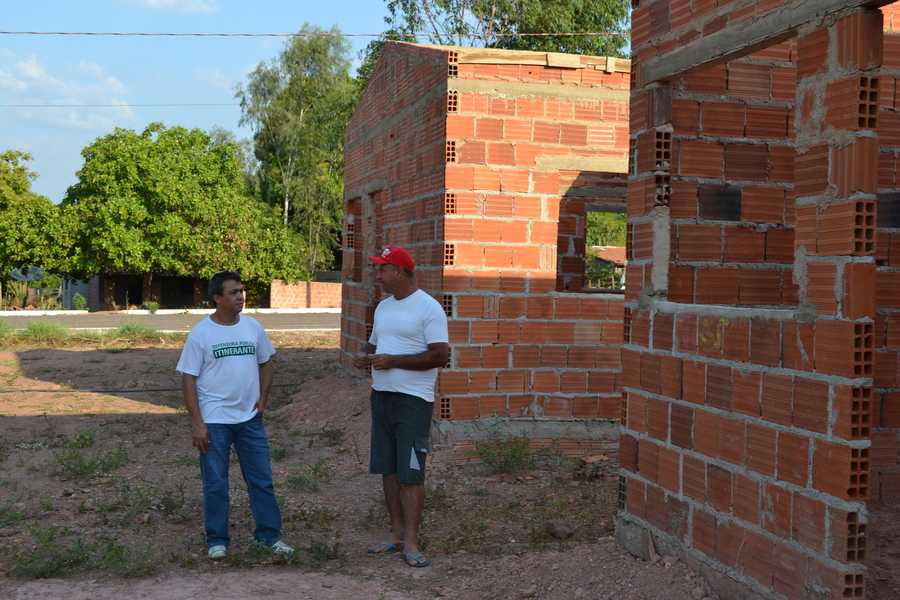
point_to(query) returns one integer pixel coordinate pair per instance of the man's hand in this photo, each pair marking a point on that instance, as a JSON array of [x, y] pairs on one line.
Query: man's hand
[[199, 430], [200, 436], [361, 360], [381, 361]]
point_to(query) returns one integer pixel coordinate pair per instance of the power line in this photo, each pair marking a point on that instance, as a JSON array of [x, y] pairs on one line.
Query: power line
[[376, 35]]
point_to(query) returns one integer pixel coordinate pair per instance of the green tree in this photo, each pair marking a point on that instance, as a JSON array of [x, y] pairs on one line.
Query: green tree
[[299, 106], [606, 229], [603, 229], [508, 24], [31, 231], [170, 200]]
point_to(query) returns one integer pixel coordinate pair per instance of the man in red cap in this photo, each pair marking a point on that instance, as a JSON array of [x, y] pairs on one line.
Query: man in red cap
[[408, 343]]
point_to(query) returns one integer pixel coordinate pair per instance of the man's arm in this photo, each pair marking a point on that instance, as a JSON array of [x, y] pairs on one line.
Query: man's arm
[[436, 356], [266, 373], [199, 431]]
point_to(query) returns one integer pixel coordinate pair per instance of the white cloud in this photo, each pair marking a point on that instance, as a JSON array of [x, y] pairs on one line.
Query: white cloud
[[87, 69], [186, 7], [30, 82], [213, 79]]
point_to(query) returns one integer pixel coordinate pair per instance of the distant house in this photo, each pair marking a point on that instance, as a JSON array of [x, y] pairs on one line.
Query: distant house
[[605, 267]]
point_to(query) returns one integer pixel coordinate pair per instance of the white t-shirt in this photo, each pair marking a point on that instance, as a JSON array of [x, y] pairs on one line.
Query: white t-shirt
[[407, 327], [225, 359]]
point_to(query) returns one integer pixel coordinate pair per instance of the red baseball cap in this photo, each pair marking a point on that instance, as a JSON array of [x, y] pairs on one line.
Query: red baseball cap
[[395, 255]]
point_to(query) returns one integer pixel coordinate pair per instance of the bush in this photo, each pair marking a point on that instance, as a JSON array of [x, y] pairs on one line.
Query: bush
[[152, 307], [79, 302]]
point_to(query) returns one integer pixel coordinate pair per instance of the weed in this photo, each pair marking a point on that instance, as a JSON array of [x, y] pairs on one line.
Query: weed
[[438, 496], [131, 562], [507, 455], [84, 438], [45, 333], [309, 476], [332, 437], [278, 451], [322, 515], [30, 446], [170, 502], [53, 553], [152, 307], [481, 492], [184, 461], [319, 551], [73, 464], [470, 534]]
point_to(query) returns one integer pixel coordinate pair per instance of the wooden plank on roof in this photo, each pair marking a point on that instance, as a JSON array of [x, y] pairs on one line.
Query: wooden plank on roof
[[566, 61]]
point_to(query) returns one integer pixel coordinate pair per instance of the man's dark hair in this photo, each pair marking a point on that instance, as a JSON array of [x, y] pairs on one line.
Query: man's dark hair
[[409, 273], [217, 284]]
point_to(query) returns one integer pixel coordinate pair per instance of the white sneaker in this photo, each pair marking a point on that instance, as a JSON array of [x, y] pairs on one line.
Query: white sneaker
[[280, 548], [216, 552]]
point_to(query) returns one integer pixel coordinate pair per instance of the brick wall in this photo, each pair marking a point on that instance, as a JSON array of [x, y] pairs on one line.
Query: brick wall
[[483, 163], [749, 351], [885, 417], [305, 294]]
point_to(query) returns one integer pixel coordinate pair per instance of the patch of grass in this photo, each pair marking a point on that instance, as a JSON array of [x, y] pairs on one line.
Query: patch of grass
[[54, 552], [76, 464], [134, 331], [309, 477], [6, 328], [130, 562], [45, 333]]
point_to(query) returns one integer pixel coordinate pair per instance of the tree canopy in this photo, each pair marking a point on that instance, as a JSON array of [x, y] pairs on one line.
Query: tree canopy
[[170, 200], [299, 106], [31, 232], [507, 24]]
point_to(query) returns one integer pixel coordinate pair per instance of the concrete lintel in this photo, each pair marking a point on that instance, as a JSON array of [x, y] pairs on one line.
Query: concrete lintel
[[599, 164], [736, 41], [365, 190], [506, 89]]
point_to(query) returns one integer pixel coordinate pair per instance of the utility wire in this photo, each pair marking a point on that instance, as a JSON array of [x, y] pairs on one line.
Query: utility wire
[[381, 35]]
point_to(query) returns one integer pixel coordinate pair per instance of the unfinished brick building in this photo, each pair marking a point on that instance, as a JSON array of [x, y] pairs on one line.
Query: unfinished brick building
[[482, 163], [760, 362]]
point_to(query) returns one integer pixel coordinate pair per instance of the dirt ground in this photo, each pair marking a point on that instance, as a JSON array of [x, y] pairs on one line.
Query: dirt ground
[[100, 497]]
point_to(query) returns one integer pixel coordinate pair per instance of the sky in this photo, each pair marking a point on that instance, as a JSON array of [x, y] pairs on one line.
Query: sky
[[127, 73]]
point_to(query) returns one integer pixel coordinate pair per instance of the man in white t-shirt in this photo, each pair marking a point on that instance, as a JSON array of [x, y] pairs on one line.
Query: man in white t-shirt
[[227, 372], [409, 342]]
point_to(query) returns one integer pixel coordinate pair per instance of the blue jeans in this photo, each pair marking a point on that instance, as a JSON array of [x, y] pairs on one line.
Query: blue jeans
[[252, 446]]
